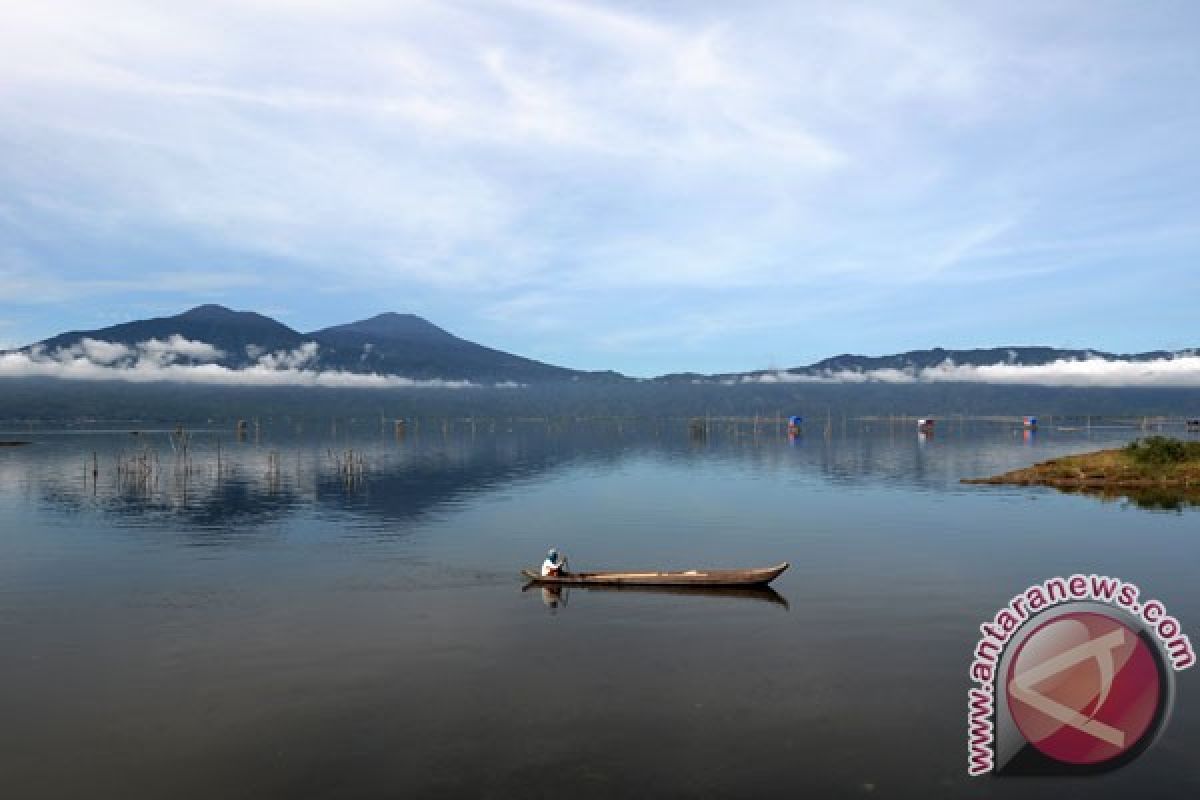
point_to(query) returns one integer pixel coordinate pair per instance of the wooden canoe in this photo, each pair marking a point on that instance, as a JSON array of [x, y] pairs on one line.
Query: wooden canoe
[[691, 577]]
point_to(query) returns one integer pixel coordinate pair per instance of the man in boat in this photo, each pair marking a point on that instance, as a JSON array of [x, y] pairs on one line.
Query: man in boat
[[555, 564]]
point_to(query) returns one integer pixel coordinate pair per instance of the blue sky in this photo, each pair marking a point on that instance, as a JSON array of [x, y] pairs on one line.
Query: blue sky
[[648, 187]]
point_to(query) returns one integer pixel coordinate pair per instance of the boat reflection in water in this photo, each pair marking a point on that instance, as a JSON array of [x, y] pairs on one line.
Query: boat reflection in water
[[555, 597]]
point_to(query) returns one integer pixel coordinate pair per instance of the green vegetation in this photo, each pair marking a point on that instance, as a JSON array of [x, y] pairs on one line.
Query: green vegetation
[[1162, 451]]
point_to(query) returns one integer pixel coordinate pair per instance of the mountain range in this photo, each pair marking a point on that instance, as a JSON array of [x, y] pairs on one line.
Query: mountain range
[[916, 360], [386, 344], [407, 345]]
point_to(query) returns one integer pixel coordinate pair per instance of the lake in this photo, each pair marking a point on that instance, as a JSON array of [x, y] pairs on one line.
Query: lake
[[285, 626]]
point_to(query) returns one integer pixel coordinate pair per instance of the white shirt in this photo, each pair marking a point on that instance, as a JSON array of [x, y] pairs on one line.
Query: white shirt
[[550, 567]]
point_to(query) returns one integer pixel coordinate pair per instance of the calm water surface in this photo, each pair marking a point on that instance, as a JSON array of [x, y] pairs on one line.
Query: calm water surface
[[273, 629]]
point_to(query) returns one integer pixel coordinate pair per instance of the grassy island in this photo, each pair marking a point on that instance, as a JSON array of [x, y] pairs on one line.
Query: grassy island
[[1161, 471]]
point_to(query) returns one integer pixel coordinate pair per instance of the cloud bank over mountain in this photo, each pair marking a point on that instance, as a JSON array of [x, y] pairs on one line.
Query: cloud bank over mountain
[[177, 358], [1182, 371], [183, 360]]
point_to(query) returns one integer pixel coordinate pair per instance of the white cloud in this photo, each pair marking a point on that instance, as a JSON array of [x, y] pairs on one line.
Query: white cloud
[[156, 360], [428, 138], [99, 352], [176, 348], [303, 356], [1180, 371], [152, 351]]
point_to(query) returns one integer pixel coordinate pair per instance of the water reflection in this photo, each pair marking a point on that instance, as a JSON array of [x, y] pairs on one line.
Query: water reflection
[[251, 486], [397, 481], [1175, 499], [555, 597]]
